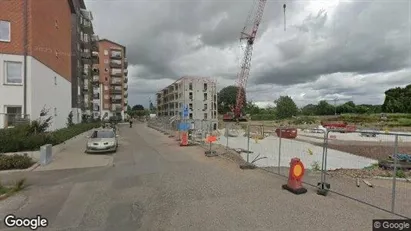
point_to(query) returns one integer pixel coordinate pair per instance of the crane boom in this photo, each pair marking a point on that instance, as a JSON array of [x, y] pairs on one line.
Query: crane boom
[[248, 52]]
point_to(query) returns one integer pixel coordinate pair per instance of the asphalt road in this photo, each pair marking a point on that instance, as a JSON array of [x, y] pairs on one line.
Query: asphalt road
[[157, 185]]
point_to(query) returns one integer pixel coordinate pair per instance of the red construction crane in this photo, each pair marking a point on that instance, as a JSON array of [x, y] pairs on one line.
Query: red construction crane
[[249, 36]]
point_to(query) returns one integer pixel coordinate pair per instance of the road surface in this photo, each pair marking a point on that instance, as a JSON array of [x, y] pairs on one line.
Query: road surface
[[157, 185]]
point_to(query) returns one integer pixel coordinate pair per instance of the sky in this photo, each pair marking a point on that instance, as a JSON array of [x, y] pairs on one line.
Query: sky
[[346, 50]]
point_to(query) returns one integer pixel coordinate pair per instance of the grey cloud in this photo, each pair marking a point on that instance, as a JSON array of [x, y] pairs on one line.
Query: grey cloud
[[361, 40]]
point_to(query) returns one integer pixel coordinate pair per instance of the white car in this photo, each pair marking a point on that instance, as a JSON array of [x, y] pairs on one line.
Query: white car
[[101, 141]]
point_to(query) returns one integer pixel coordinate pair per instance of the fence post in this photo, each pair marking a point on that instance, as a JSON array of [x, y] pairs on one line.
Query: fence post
[[323, 186], [226, 136], [279, 151], [248, 143], [394, 178]]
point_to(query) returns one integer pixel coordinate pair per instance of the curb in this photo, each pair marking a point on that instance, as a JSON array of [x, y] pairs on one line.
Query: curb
[[391, 178], [34, 166]]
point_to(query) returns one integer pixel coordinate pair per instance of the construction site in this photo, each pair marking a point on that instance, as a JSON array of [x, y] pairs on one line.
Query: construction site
[[372, 166]]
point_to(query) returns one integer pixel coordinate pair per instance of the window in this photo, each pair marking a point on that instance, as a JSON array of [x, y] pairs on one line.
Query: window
[[205, 96], [205, 86], [106, 69], [190, 116], [106, 97], [106, 105], [106, 88], [55, 111], [105, 52], [13, 114], [56, 24], [13, 72], [190, 86], [205, 106], [205, 116], [55, 80], [190, 106], [5, 31], [106, 61]]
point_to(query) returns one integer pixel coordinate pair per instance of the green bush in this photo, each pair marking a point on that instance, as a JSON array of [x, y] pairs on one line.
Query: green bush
[[15, 162], [21, 139]]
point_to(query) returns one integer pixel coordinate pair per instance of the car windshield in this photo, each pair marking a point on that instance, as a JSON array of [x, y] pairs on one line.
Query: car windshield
[[103, 134]]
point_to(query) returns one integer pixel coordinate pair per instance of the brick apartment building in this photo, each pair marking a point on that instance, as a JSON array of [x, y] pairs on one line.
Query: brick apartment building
[[113, 79], [39, 62]]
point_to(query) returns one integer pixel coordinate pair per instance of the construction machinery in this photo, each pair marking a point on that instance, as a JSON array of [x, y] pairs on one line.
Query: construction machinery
[[248, 35]]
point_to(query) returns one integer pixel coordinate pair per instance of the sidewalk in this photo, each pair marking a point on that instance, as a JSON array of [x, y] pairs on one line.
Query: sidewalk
[[74, 157]]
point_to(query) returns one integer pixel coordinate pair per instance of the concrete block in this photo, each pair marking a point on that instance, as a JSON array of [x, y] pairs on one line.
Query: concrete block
[[45, 154]]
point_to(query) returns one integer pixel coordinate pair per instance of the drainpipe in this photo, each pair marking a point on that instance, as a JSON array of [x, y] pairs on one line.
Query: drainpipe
[[25, 48]]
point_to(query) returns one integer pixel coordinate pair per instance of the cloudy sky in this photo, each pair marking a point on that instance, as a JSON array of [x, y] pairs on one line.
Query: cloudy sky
[[351, 50]]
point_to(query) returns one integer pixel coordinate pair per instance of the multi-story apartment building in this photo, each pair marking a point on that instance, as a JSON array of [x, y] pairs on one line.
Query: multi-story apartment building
[[35, 60], [198, 94], [113, 79], [85, 92]]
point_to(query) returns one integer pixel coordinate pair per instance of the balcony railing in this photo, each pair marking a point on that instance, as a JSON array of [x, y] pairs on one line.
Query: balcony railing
[[116, 107], [96, 79], [125, 86], [94, 53], [116, 100], [125, 63], [116, 72], [96, 96], [116, 54], [116, 82], [115, 64], [125, 79], [116, 91], [125, 72]]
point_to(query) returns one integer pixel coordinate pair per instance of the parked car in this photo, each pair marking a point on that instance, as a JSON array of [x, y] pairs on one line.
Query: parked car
[[101, 141]]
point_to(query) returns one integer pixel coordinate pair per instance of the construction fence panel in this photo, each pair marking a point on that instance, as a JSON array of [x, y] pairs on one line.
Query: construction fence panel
[[371, 167]]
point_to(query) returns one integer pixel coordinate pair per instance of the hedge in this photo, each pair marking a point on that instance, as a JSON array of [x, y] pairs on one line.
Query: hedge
[[18, 140], [15, 162]]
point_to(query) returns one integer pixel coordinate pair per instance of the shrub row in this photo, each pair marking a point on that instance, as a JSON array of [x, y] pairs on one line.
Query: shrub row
[[15, 162], [19, 139]]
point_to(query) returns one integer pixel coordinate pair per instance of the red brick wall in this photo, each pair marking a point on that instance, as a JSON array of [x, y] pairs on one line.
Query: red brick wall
[[106, 45], [44, 38], [12, 11]]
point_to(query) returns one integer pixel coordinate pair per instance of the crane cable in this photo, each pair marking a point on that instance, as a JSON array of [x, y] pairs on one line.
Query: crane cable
[[284, 6]]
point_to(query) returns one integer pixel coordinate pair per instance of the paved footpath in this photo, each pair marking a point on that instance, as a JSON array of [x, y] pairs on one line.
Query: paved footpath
[[157, 185]]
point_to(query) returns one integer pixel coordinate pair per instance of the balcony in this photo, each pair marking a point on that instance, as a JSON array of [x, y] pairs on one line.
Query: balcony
[[125, 72], [96, 96], [125, 79], [94, 43], [96, 79], [125, 94], [96, 107], [115, 64], [119, 101], [116, 107], [116, 72], [116, 81], [125, 63], [116, 90], [95, 70], [125, 86], [116, 54], [85, 21]]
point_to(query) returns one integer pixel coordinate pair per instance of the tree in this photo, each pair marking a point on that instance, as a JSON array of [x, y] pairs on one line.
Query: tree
[[251, 108], [397, 100], [324, 108], [227, 97], [286, 107], [309, 110], [137, 107]]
